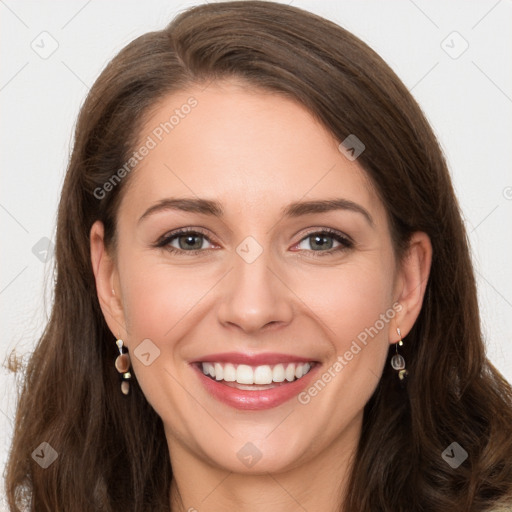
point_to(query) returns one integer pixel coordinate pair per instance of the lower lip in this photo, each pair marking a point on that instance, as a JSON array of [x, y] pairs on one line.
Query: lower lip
[[258, 399]]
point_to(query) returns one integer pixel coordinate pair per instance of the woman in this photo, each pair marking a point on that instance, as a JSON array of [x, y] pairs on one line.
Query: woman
[[201, 355]]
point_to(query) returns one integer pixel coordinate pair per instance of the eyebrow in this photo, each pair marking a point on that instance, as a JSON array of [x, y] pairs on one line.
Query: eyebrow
[[293, 210]]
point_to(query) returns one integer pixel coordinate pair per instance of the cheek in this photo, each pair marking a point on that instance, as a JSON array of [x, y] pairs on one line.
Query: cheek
[[348, 299], [355, 306], [162, 303], [158, 297]]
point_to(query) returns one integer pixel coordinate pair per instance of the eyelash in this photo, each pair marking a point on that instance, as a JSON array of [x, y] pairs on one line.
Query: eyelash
[[346, 242]]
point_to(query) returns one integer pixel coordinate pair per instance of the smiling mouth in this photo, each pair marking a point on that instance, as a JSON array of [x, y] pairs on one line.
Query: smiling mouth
[[255, 378]]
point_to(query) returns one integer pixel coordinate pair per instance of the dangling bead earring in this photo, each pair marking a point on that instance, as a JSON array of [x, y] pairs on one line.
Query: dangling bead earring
[[122, 364], [398, 362]]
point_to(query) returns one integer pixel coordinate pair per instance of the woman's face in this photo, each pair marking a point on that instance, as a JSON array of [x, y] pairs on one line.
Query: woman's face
[[259, 287]]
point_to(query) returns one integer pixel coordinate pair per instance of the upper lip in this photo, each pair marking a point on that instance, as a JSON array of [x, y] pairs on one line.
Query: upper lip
[[269, 358]]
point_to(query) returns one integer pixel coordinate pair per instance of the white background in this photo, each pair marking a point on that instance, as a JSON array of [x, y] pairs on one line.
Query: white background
[[468, 101]]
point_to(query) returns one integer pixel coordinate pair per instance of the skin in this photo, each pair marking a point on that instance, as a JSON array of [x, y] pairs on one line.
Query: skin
[[255, 152]]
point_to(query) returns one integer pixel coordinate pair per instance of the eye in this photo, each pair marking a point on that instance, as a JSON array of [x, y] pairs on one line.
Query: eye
[[185, 240], [324, 241]]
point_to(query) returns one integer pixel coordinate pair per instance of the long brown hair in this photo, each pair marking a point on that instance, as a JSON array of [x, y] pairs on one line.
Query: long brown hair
[[112, 451]]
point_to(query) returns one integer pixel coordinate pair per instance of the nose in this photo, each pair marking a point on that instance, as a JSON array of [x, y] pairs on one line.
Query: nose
[[255, 296]]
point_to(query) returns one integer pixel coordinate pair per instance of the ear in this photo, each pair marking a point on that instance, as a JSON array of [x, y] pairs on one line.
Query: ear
[[411, 283], [107, 282]]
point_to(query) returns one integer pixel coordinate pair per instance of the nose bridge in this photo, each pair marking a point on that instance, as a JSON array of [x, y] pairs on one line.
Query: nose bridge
[[254, 296]]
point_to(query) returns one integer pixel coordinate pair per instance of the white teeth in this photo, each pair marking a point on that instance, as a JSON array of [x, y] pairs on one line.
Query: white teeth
[[219, 371], [244, 374], [290, 372], [263, 374], [258, 375], [229, 373], [278, 373]]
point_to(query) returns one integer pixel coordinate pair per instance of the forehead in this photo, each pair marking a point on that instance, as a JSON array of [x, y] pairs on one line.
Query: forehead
[[252, 150]]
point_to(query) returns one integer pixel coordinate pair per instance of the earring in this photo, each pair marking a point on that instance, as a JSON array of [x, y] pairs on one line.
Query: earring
[[122, 364], [398, 362]]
